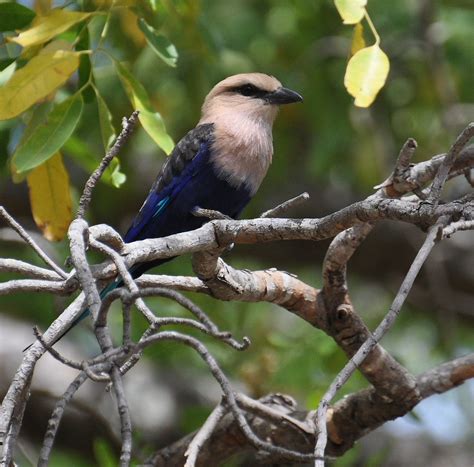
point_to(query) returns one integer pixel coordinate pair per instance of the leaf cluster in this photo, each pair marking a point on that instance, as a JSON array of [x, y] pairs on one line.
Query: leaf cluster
[[49, 75]]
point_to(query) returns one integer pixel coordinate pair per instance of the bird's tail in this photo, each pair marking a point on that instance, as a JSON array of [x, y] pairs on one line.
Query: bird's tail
[[136, 270], [84, 314]]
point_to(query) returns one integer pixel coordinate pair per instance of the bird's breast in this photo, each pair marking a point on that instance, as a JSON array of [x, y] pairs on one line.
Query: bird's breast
[[241, 152]]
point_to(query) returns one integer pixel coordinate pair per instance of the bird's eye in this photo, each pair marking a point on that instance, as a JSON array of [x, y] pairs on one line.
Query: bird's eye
[[248, 90]]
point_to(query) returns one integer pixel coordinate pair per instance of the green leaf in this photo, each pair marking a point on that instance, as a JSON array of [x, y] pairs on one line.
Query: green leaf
[[33, 121], [159, 43], [14, 16], [366, 74], [48, 137], [107, 130], [151, 120]]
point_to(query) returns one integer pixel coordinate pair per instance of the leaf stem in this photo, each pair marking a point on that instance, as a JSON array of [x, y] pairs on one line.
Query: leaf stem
[[372, 28]]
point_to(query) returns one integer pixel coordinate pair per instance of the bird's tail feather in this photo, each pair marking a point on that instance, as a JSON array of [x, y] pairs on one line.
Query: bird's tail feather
[[84, 314], [136, 270]]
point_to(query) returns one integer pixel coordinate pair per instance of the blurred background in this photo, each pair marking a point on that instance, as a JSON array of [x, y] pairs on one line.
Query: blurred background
[[325, 146]]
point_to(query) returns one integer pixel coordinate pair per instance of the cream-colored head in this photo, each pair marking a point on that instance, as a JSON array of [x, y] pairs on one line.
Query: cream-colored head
[[242, 109], [250, 95]]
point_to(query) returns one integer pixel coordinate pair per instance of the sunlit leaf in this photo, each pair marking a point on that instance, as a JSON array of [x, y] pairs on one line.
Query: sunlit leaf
[[351, 11], [151, 120], [153, 4], [14, 16], [48, 26], [48, 137], [159, 43], [50, 197], [358, 41], [107, 129], [38, 78], [366, 74]]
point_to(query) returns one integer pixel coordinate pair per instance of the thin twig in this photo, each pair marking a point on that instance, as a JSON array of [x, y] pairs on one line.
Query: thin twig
[[34, 285], [402, 165], [54, 353], [128, 126], [203, 435], [448, 162], [264, 411], [22, 267], [457, 227], [55, 419], [29, 240], [125, 420], [277, 211], [106, 234], [209, 214]]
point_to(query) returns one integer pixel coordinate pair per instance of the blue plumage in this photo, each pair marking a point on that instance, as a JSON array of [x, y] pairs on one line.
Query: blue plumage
[[169, 210]]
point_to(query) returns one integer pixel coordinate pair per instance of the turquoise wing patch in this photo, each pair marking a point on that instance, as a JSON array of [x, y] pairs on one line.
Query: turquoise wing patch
[[161, 206]]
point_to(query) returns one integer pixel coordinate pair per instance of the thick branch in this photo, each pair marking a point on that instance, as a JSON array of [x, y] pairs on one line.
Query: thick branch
[[347, 421]]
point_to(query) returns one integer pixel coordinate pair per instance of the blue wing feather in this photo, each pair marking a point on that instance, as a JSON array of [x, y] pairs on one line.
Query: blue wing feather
[[148, 223]]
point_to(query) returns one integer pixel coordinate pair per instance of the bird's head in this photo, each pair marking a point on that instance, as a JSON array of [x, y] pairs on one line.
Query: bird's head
[[253, 95]]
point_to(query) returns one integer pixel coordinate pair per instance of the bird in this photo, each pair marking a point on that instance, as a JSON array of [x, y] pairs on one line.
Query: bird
[[218, 165]]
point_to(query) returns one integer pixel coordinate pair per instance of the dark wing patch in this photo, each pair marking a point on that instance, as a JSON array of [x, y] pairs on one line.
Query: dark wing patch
[[168, 182], [182, 154]]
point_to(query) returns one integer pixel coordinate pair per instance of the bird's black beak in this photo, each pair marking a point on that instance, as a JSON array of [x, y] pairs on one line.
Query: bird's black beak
[[283, 96]]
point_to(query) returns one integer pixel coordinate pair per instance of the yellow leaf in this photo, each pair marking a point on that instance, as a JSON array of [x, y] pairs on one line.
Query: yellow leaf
[[358, 41], [48, 26], [38, 78], [366, 74], [351, 11], [50, 197]]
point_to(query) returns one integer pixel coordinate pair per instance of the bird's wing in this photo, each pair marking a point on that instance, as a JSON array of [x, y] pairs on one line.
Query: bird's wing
[[187, 156]]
